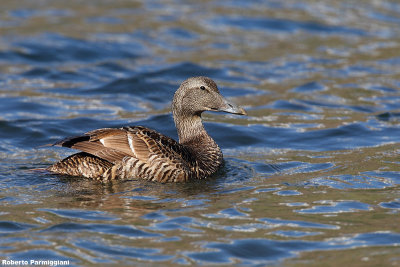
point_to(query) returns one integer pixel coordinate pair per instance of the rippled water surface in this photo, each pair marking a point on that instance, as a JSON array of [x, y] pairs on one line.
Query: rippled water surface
[[312, 173]]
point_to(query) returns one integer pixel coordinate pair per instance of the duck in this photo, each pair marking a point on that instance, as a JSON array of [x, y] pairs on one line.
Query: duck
[[137, 152]]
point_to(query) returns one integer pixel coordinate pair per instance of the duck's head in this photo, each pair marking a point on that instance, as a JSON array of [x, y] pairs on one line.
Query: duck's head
[[198, 94]]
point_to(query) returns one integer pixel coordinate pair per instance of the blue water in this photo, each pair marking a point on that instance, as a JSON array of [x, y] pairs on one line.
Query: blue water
[[311, 175]]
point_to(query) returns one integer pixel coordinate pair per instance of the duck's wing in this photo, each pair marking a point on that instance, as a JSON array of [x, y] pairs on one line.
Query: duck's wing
[[95, 144], [133, 141]]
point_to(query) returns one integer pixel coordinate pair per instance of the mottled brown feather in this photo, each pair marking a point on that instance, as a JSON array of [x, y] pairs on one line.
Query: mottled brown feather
[[81, 164]]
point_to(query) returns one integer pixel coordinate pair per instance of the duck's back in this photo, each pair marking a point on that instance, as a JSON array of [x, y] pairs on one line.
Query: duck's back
[[128, 152]]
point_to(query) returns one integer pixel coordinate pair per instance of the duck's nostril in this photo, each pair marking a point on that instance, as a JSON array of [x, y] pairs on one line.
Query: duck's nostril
[[230, 105]]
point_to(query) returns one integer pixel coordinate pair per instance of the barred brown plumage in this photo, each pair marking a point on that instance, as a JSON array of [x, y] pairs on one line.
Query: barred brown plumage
[[139, 152]]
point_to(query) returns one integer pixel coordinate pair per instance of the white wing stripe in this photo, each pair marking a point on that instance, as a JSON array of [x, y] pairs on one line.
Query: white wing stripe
[[131, 144]]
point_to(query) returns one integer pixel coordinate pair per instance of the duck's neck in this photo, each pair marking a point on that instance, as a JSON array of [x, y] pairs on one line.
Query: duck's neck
[[190, 129], [192, 134]]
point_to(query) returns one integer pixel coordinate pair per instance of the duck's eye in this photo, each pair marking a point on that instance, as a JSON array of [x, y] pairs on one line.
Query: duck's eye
[[202, 87]]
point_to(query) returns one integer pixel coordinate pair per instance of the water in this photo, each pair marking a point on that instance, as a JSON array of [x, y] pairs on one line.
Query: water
[[311, 175]]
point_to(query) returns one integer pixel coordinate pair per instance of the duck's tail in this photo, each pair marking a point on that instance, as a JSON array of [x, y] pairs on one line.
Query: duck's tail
[[81, 164]]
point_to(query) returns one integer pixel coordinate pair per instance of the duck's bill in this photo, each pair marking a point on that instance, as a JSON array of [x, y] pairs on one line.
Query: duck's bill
[[232, 108]]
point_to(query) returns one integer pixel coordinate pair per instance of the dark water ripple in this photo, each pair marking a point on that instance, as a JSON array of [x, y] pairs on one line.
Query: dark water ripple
[[262, 251], [286, 25], [86, 215], [122, 230], [312, 170], [122, 252], [53, 48], [6, 227]]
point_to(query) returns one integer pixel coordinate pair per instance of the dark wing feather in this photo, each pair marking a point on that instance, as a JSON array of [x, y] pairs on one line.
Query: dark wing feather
[[70, 141], [92, 143]]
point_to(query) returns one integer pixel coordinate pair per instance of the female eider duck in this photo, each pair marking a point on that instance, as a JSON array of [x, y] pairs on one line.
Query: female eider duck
[[139, 152]]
